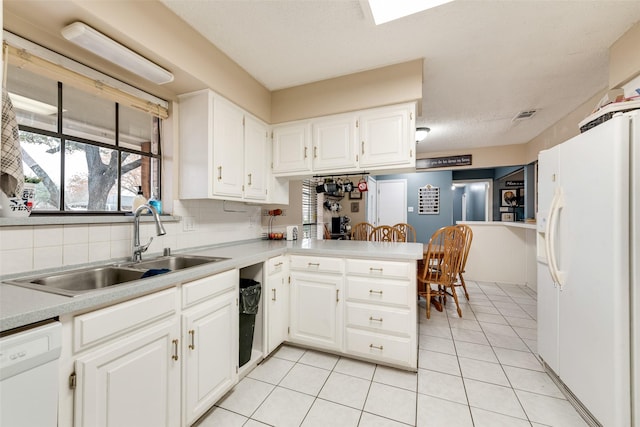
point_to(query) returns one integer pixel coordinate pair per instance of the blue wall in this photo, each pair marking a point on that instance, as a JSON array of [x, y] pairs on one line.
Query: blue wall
[[426, 225]]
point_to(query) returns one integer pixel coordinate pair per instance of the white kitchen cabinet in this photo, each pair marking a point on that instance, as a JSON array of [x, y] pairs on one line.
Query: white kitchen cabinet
[[316, 302], [210, 349], [277, 292], [133, 382], [256, 152], [380, 322], [291, 146], [387, 137], [223, 150], [228, 148], [334, 143]]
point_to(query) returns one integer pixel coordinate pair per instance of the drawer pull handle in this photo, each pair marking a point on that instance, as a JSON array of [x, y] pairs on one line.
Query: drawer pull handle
[[337, 295], [375, 346], [315, 152], [313, 264], [373, 319], [273, 298], [219, 173], [371, 291], [278, 264], [305, 152], [174, 356], [192, 346], [249, 183], [375, 269]]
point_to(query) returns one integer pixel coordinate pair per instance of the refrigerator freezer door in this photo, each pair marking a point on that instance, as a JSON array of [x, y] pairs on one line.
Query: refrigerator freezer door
[[547, 290], [593, 254]]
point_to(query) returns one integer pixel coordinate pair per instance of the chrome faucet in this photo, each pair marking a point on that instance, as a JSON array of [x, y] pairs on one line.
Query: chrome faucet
[[138, 249]]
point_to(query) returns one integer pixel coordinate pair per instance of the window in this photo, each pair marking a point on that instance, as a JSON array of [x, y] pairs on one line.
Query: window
[[309, 209], [91, 153]]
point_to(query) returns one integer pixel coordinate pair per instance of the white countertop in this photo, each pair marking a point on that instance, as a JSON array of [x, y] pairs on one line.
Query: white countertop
[[21, 306], [500, 223]]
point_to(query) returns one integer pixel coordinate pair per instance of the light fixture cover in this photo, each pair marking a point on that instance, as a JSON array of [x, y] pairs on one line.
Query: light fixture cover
[[421, 133], [109, 49]]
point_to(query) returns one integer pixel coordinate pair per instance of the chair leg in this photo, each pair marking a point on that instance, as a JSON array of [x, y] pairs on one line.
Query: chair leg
[[455, 298], [428, 286], [466, 294]]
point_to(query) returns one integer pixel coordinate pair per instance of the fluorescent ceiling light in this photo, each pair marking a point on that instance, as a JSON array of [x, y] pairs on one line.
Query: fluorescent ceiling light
[[101, 45], [31, 105], [389, 10]]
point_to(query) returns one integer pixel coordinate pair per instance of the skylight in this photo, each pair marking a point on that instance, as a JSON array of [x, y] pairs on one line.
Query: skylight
[[388, 10]]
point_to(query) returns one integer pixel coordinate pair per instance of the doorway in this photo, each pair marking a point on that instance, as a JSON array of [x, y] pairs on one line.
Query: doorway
[[472, 200]]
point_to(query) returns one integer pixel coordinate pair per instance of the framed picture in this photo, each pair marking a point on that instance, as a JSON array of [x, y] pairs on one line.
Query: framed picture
[[507, 217], [355, 195], [355, 207], [509, 197]]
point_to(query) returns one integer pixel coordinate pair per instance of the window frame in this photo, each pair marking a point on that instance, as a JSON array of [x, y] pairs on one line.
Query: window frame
[[59, 134]]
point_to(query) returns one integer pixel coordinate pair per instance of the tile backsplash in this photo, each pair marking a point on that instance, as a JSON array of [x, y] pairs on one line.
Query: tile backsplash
[[203, 222]]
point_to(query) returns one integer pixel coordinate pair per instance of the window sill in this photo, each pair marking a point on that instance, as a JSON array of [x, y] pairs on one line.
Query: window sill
[[93, 219]]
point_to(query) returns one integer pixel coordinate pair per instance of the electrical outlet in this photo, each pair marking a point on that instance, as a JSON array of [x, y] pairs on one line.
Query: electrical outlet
[[188, 223], [284, 212]]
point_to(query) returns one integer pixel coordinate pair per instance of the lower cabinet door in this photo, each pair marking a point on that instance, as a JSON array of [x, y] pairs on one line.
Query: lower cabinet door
[[316, 310], [278, 309], [134, 382], [210, 348]]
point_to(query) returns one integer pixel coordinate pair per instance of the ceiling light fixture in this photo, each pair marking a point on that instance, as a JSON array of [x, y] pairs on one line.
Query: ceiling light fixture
[[109, 49], [421, 133], [384, 10]]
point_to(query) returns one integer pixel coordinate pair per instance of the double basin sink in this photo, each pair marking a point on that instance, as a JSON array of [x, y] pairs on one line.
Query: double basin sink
[[80, 281]]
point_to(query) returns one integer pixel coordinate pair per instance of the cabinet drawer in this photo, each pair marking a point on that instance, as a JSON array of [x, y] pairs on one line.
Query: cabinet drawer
[[275, 265], [380, 319], [202, 289], [386, 269], [97, 326], [317, 264], [379, 291], [396, 350]]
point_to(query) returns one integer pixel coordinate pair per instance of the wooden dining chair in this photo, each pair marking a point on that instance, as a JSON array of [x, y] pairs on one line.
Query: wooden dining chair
[[408, 231], [441, 266], [468, 237], [361, 231], [386, 233]]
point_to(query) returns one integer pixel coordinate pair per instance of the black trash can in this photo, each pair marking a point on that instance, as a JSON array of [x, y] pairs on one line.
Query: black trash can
[[249, 302]]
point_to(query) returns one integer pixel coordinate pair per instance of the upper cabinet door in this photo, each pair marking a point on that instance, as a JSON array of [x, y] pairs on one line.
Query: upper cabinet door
[[256, 156], [387, 137], [228, 148], [291, 148], [334, 141]]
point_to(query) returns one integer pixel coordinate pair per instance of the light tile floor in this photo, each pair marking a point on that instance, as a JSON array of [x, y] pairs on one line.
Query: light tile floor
[[479, 370]]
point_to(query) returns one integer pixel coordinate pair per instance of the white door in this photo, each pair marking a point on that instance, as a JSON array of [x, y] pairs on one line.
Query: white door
[[278, 308], [228, 148], [255, 159], [210, 352], [392, 202], [316, 310], [593, 263], [372, 201], [135, 382]]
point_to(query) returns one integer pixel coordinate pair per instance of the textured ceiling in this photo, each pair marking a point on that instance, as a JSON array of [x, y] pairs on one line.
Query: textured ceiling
[[484, 61]]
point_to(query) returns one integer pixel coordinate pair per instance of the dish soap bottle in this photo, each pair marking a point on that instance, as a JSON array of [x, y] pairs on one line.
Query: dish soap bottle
[[139, 200], [156, 203]]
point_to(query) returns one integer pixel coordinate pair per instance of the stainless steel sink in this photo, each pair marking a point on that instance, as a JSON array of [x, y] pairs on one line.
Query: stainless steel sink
[[76, 282], [174, 262], [80, 281]]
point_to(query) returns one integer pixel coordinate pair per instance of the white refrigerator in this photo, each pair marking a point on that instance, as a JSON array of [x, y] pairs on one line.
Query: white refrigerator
[[588, 261]]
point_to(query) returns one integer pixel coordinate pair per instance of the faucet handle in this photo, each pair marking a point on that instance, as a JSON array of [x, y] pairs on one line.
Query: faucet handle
[[143, 248]]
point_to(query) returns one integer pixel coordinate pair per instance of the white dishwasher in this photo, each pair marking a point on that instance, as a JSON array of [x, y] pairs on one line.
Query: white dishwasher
[[29, 376]]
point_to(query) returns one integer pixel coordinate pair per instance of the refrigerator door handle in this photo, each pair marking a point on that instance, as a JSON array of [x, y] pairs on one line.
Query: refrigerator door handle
[[552, 226]]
